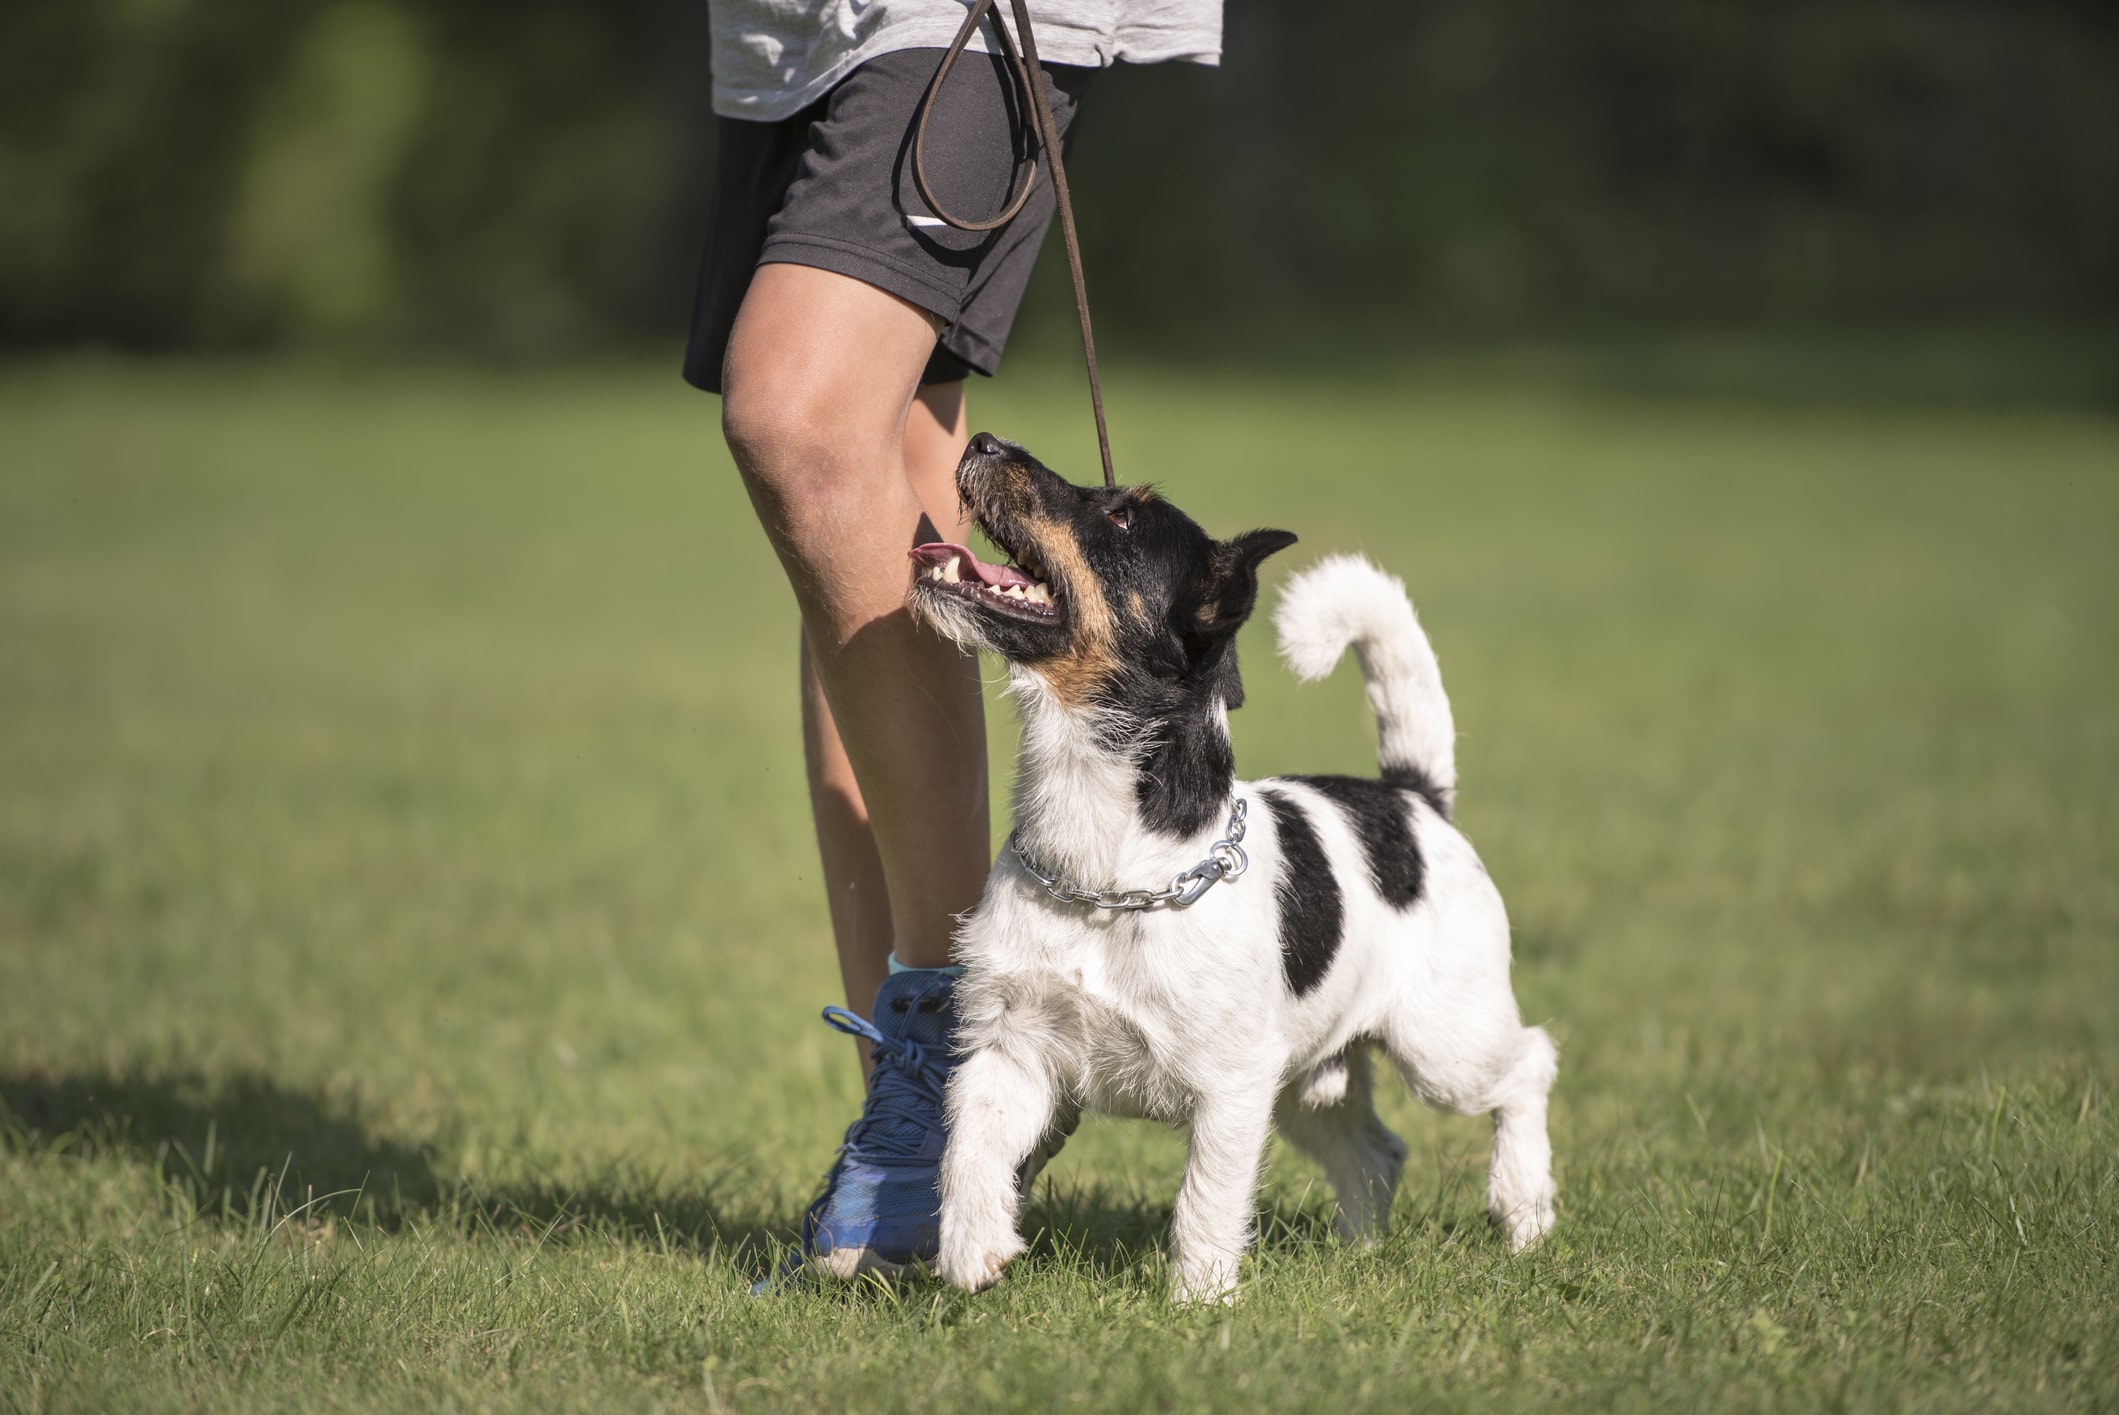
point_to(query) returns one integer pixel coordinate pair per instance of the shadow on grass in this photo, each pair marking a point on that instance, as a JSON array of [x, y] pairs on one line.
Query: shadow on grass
[[246, 1149], [1109, 1233], [1093, 1226], [239, 1149]]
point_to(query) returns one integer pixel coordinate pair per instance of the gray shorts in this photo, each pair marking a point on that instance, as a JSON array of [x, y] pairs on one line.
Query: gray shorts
[[832, 187]]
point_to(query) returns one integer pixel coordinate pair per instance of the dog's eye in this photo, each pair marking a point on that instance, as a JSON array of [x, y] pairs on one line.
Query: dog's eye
[[1121, 518]]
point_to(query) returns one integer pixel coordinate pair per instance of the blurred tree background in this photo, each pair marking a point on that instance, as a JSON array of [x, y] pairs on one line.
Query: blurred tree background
[[527, 178]]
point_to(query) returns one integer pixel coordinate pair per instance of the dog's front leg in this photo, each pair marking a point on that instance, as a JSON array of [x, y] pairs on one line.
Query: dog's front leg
[[999, 1108], [1212, 1226]]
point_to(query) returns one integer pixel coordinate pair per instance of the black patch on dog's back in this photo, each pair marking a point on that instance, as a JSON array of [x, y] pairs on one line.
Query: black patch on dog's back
[[1413, 779], [1377, 810], [1311, 912]]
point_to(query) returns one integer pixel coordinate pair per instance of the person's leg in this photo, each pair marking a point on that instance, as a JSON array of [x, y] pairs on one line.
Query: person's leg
[[859, 899], [819, 387], [819, 406]]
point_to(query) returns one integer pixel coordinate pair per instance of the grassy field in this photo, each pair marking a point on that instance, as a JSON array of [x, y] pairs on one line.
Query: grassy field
[[410, 945]]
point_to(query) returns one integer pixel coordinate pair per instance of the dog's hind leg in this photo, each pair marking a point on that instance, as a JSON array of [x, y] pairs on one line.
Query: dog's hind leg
[[1360, 1156], [1519, 1186]]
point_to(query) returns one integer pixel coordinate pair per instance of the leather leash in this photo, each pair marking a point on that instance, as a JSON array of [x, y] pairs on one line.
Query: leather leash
[[1024, 63]]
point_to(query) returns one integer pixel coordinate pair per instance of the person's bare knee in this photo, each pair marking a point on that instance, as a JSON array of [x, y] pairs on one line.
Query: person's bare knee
[[819, 374], [790, 439]]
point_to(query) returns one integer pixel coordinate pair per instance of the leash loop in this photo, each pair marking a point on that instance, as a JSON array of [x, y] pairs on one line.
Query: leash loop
[[979, 10], [1023, 62]]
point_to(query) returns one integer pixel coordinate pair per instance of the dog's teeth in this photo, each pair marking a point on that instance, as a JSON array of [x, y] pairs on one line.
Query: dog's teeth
[[934, 572], [1015, 592], [1038, 594], [950, 573]]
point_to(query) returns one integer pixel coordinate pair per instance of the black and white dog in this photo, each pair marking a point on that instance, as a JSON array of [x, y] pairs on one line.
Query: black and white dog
[[1363, 918]]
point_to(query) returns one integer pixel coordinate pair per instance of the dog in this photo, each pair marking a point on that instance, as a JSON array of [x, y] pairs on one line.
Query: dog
[[1304, 921]]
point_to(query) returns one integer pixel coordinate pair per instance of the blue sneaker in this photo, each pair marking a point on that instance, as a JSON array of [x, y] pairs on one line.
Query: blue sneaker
[[881, 1206]]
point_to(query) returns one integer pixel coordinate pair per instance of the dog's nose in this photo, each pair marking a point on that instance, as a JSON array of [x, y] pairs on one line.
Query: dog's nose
[[986, 445]]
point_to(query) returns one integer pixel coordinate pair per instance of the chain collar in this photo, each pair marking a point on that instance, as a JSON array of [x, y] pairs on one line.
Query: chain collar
[[1225, 860]]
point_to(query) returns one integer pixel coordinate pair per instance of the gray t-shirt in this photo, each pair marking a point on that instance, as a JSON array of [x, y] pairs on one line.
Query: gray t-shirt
[[772, 58]]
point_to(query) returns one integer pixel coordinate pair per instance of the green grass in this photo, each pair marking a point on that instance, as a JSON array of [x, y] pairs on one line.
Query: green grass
[[410, 944]]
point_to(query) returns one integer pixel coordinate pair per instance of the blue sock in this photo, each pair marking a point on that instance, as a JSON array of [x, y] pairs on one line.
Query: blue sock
[[954, 970]]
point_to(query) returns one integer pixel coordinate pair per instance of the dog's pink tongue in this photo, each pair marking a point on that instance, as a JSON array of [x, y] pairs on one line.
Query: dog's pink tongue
[[941, 552]]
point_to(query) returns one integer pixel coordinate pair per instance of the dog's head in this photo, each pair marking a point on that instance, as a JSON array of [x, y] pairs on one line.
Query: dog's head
[[1115, 598]]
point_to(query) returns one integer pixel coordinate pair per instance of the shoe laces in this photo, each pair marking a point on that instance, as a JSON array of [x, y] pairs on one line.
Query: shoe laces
[[904, 1103], [904, 1090]]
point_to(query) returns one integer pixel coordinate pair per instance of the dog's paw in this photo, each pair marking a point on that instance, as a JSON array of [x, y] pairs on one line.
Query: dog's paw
[[974, 1262], [1205, 1286], [1204, 1291], [1527, 1226]]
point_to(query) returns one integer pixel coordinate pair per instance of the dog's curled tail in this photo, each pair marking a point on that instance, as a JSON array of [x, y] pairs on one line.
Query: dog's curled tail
[[1345, 600]]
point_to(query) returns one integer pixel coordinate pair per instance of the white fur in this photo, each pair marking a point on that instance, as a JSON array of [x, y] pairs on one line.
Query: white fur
[[1344, 600], [1184, 1016]]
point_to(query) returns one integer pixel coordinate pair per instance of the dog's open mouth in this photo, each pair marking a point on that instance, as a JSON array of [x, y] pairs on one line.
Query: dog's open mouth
[[949, 567]]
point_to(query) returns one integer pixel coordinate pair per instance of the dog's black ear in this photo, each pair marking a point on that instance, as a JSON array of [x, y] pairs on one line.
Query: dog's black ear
[[1231, 591]]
